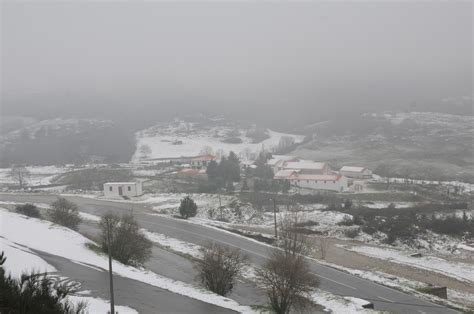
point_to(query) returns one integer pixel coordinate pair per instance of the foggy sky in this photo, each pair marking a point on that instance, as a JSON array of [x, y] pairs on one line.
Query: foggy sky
[[121, 58]]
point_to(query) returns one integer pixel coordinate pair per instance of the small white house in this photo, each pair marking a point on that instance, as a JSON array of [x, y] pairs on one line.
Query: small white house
[[120, 189], [355, 172]]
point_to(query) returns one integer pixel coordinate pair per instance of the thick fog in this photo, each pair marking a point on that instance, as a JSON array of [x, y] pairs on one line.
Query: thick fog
[[154, 59]]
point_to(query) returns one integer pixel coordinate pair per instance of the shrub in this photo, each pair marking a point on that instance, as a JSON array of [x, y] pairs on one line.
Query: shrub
[[352, 233], [307, 223], [128, 244], [346, 221], [35, 293], [28, 210], [187, 208], [348, 204], [65, 213], [219, 268]]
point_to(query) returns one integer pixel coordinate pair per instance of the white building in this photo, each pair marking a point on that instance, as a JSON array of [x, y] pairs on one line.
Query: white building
[[326, 182], [120, 189], [356, 172]]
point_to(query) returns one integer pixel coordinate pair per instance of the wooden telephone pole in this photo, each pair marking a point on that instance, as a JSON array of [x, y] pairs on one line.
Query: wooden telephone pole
[[111, 279]]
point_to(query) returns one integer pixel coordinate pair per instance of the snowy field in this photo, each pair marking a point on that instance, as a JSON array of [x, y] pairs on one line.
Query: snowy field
[[36, 175], [69, 244], [460, 271], [463, 186], [162, 142]]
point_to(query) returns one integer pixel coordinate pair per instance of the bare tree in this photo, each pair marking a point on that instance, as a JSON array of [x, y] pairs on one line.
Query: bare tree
[[19, 173], [288, 281], [219, 268], [286, 276], [323, 247]]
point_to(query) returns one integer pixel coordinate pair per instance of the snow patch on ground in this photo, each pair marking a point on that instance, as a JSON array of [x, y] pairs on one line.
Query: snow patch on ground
[[90, 217], [174, 244], [21, 260], [97, 305], [338, 304]]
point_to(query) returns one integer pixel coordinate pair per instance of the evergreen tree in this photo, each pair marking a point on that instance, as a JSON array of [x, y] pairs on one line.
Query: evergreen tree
[[187, 208], [245, 186], [233, 167], [34, 293]]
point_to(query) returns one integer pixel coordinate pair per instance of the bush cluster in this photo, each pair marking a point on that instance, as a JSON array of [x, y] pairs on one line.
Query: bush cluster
[[28, 210]]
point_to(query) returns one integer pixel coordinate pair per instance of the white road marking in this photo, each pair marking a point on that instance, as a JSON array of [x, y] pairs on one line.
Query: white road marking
[[339, 283], [385, 299]]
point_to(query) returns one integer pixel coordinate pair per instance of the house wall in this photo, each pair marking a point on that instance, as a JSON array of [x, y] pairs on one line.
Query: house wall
[[340, 185], [129, 190]]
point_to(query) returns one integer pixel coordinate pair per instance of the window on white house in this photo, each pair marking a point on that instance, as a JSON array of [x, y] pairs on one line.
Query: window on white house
[[110, 188], [129, 188]]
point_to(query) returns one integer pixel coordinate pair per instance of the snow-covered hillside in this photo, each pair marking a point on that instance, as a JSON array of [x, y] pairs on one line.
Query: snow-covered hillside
[[180, 138]]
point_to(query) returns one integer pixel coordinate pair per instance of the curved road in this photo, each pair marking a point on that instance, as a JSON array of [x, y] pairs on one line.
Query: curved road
[[331, 280]]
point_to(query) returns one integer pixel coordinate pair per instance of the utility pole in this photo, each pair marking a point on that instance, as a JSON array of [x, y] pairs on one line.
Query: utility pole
[[220, 204], [111, 279], [275, 217]]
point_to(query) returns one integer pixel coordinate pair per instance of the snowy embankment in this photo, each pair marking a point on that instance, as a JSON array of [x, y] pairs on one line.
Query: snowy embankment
[[460, 271], [20, 260], [69, 244]]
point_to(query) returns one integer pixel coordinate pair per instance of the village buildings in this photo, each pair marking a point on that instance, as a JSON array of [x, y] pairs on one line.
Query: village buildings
[[307, 175]]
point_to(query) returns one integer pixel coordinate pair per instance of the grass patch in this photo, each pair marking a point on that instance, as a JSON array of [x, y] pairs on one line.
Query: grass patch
[[262, 308], [254, 236], [94, 247]]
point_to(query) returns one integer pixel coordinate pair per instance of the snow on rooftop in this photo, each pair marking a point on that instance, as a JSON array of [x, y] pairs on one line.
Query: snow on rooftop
[[284, 174], [119, 183], [315, 177], [304, 165], [353, 169]]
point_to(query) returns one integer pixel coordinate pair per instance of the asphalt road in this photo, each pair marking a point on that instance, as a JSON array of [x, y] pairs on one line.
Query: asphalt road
[[128, 292], [331, 280]]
